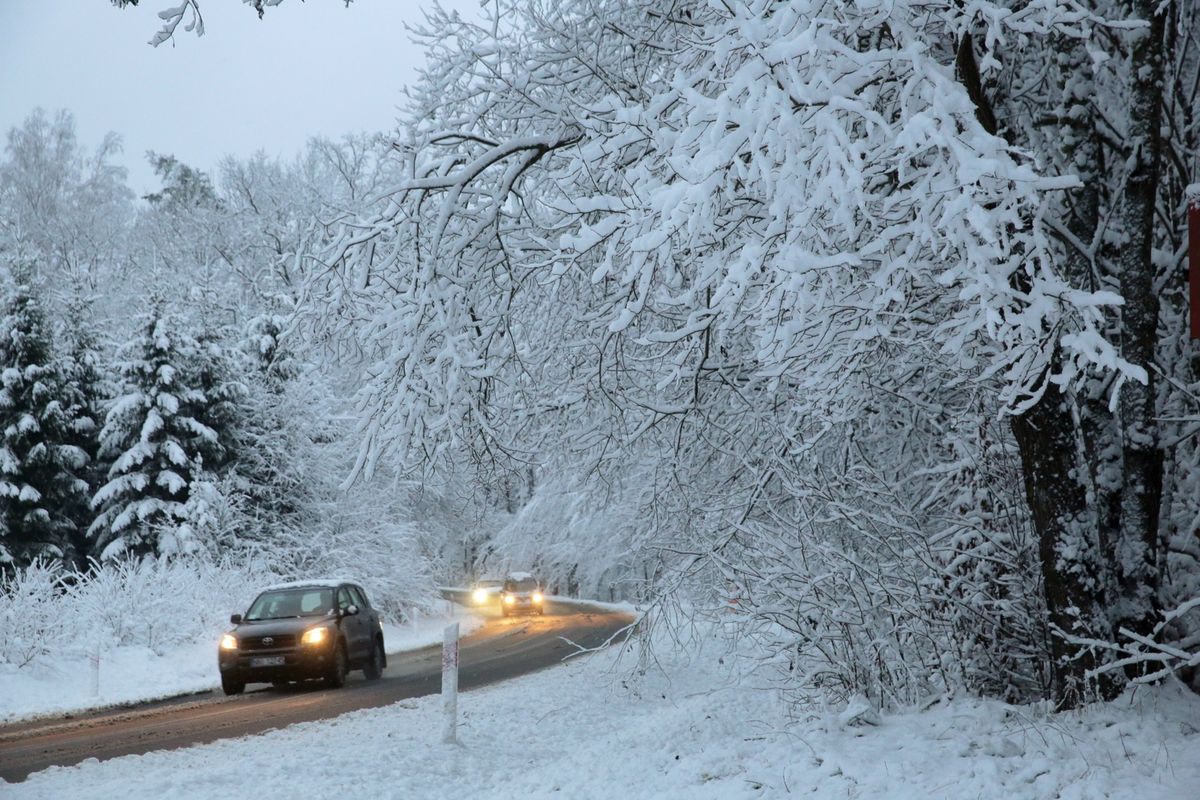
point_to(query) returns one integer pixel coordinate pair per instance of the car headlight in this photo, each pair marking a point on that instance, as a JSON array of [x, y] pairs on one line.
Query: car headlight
[[508, 598], [314, 636], [479, 596], [229, 642], [537, 597]]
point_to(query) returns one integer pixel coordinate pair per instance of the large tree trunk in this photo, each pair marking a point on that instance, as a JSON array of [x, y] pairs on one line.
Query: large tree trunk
[[1057, 481], [1079, 211], [1136, 551], [1072, 572]]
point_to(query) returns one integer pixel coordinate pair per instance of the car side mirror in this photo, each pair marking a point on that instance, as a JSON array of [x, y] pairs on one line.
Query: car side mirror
[[351, 610], [236, 619]]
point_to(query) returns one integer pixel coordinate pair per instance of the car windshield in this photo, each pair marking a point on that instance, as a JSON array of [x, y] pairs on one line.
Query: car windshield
[[284, 603], [488, 583], [523, 585]]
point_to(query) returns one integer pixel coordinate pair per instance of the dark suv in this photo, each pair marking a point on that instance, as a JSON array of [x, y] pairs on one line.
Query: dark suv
[[300, 631]]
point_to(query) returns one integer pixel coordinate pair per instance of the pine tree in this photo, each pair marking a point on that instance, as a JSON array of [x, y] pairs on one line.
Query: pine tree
[[267, 468], [41, 466], [157, 442], [83, 393], [215, 369]]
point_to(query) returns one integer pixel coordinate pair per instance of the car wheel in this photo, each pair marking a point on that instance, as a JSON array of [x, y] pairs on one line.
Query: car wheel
[[337, 670], [374, 668], [232, 687], [280, 684]]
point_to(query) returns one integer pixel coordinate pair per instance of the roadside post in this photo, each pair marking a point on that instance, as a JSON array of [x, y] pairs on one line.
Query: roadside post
[[450, 683], [94, 657]]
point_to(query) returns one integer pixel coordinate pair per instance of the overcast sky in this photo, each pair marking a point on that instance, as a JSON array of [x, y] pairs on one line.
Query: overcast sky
[[307, 68]]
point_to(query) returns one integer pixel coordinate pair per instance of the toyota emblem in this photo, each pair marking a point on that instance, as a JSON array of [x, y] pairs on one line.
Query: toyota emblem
[[268, 641]]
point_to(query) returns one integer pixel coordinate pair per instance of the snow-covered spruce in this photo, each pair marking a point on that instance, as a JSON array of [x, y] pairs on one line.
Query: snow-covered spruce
[[160, 437], [42, 485]]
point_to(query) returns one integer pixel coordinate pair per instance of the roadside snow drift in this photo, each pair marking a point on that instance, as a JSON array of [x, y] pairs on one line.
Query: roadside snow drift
[[603, 727]]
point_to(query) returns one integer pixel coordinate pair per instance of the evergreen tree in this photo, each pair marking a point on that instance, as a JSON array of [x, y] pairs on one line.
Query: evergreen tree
[[268, 352], [84, 389], [41, 464], [157, 441], [273, 437], [215, 371]]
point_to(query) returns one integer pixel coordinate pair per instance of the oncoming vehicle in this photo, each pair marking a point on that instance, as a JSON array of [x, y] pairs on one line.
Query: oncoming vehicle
[[521, 594], [302, 631], [486, 590]]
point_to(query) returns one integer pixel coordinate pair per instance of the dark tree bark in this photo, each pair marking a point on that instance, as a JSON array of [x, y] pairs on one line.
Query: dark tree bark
[[1056, 479], [1136, 551], [1080, 152], [1072, 565]]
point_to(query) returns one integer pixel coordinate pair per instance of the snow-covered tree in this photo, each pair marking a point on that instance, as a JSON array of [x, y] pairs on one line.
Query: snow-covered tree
[[84, 389], [732, 245], [64, 209], [156, 441], [42, 485]]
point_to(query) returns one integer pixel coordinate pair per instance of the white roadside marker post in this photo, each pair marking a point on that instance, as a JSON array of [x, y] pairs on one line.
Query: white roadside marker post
[[450, 683], [94, 657]]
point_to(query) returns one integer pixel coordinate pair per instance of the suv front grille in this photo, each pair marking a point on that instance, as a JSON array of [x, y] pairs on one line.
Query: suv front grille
[[256, 642]]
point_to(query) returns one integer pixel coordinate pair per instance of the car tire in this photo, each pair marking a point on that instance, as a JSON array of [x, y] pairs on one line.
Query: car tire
[[373, 670], [336, 677], [231, 687], [280, 684]]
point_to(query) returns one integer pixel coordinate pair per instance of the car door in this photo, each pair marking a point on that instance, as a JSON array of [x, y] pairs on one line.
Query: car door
[[352, 626], [371, 621]]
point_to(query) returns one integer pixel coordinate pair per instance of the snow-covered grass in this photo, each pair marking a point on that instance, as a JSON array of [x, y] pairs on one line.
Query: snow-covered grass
[[599, 727], [136, 673]]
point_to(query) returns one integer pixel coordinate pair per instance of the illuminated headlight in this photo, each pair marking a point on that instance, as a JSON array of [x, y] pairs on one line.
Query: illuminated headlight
[[479, 596], [537, 597], [508, 598], [314, 636], [229, 642]]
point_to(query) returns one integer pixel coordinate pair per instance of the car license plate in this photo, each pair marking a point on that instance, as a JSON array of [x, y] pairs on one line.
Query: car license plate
[[267, 661]]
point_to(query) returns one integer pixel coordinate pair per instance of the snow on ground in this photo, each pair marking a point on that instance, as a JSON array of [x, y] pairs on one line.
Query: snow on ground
[[132, 674], [595, 729]]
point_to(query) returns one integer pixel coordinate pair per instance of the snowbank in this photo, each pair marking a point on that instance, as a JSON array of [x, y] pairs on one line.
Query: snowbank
[[595, 728], [132, 674]]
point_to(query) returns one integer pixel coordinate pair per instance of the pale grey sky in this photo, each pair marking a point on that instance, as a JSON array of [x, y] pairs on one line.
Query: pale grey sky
[[307, 68]]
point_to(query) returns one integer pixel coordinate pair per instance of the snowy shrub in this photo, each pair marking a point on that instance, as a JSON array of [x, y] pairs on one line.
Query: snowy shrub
[[158, 603], [49, 612], [31, 607]]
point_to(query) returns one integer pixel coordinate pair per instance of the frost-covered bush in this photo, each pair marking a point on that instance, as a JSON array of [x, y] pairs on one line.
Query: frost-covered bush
[[157, 603], [49, 612], [32, 623]]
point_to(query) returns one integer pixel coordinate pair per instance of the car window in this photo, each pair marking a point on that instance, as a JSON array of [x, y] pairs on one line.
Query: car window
[[523, 585], [360, 597], [344, 600], [282, 603]]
